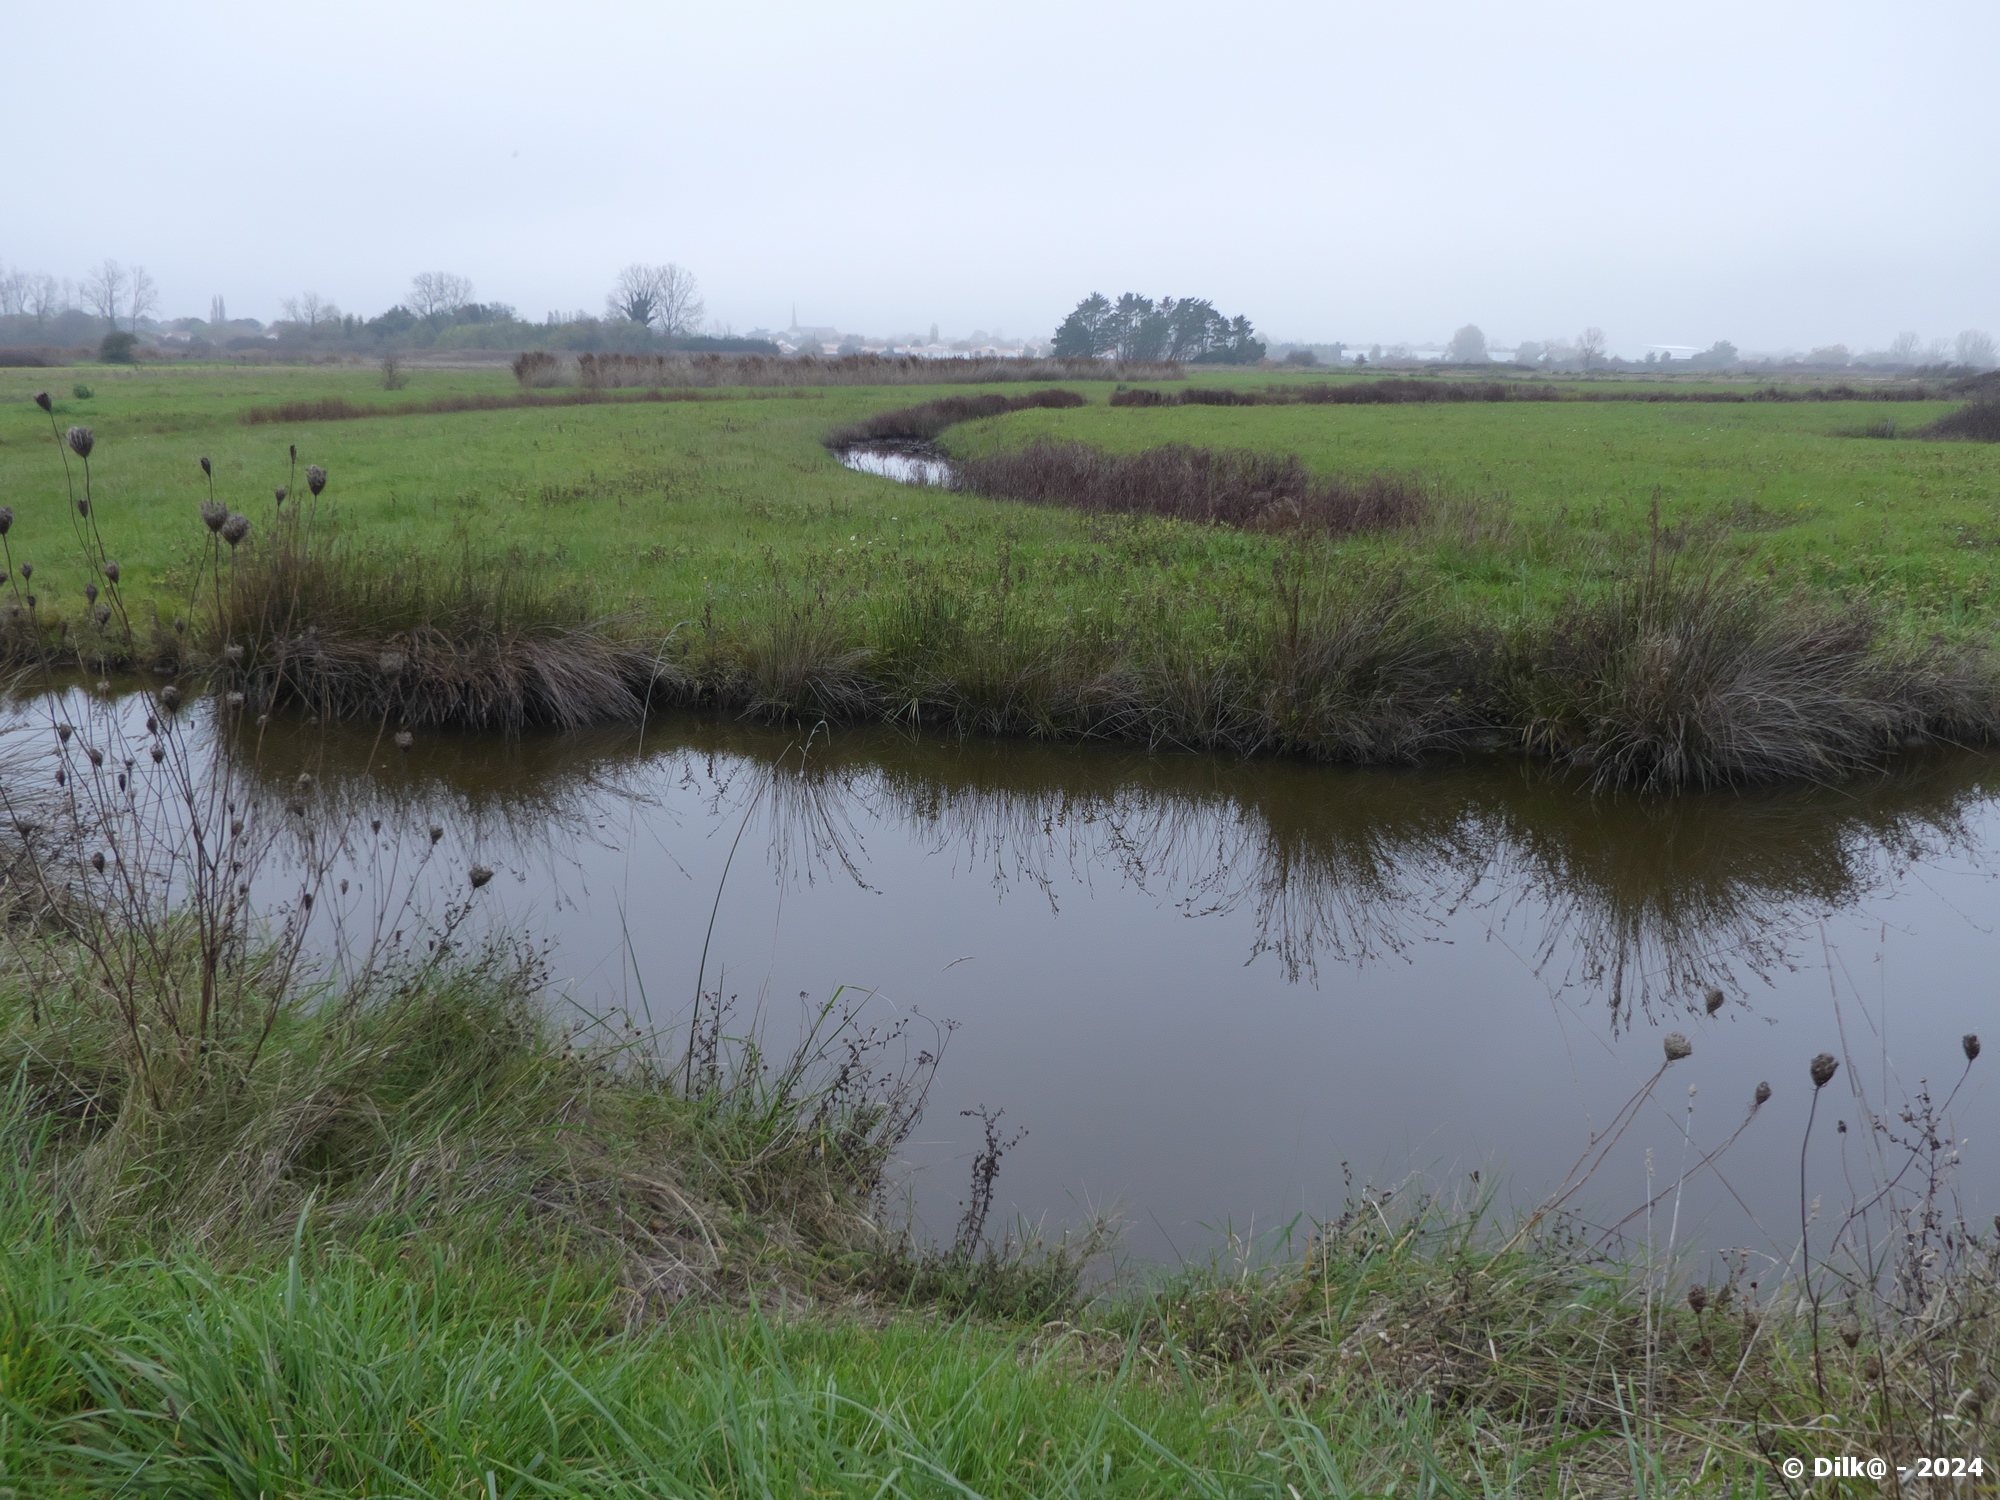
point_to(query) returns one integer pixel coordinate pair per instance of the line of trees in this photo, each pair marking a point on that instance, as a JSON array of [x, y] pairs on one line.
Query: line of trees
[[1188, 330]]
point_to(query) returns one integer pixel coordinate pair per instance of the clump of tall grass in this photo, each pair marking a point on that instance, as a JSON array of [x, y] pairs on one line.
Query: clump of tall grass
[[1226, 487], [1977, 421], [538, 369], [332, 626], [1691, 674], [441, 1094]]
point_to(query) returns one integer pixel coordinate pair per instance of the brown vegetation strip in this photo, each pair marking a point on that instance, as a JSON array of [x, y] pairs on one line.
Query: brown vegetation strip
[[1979, 422], [921, 423], [540, 368], [339, 409], [1403, 392], [1254, 491]]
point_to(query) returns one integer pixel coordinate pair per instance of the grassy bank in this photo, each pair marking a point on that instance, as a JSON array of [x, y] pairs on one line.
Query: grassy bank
[[736, 562], [418, 1241]]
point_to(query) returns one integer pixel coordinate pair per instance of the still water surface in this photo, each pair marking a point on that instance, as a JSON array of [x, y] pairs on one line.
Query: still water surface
[[1215, 992]]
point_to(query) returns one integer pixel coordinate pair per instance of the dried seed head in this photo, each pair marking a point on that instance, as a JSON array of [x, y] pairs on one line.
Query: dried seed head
[[81, 441], [233, 700], [479, 875], [42, 400], [236, 528], [315, 478], [305, 781], [111, 568], [83, 505], [437, 833], [295, 453], [101, 614], [97, 862], [1824, 1066], [1761, 1097], [1698, 1297], [170, 698], [1850, 1330], [96, 755], [233, 654], [90, 592], [180, 625], [1871, 1367], [236, 828], [391, 663], [279, 493], [213, 512], [205, 467], [1677, 1046], [64, 731], [404, 739], [1712, 1000], [1970, 1042], [159, 754], [27, 571], [6, 519]]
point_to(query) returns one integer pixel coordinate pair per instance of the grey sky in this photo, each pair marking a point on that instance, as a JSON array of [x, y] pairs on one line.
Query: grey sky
[[1777, 174]]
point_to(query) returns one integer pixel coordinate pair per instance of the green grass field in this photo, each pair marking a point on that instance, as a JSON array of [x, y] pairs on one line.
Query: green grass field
[[667, 509], [721, 532]]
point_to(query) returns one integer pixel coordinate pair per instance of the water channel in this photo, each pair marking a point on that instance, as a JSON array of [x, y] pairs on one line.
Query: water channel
[[1218, 995]]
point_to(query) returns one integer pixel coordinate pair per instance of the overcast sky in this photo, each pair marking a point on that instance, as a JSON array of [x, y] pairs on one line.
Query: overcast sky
[[1777, 174]]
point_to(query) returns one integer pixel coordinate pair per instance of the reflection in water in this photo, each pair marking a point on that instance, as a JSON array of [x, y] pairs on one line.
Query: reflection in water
[[1647, 901], [905, 463], [1207, 986]]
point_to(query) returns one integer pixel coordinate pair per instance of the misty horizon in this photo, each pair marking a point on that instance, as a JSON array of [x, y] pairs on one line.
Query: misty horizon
[[1360, 178]]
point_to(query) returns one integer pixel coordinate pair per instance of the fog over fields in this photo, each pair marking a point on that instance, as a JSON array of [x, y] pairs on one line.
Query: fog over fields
[[1785, 176]]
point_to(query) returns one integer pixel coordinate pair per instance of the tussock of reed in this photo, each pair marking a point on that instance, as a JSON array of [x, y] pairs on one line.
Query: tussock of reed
[[1693, 675], [1241, 488], [477, 642], [538, 369], [922, 423], [1978, 421]]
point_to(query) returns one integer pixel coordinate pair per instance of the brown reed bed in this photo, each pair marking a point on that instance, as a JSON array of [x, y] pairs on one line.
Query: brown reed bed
[[1397, 391], [924, 422], [1977, 421], [339, 409], [541, 368], [1222, 487]]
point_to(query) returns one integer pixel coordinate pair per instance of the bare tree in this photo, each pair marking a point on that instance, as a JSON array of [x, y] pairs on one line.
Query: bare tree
[[1903, 349], [104, 291], [1590, 346], [311, 309], [635, 295], [439, 294], [1467, 347], [663, 297], [13, 293], [143, 297], [47, 297], [218, 311], [1976, 349]]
